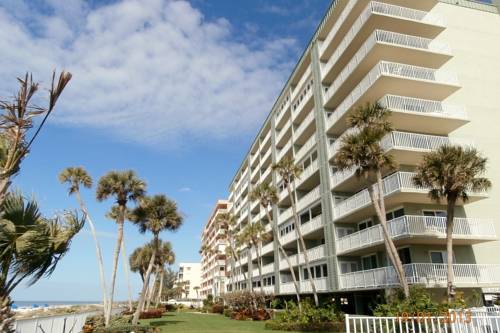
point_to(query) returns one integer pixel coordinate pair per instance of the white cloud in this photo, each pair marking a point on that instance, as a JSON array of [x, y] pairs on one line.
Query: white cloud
[[185, 189], [152, 71]]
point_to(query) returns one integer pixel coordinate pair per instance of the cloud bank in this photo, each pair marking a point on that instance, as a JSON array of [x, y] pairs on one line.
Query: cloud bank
[[147, 71]]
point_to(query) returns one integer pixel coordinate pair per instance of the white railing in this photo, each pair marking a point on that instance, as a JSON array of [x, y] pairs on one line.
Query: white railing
[[338, 23], [310, 143], [298, 88], [284, 150], [283, 130], [307, 96], [414, 141], [265, 174], [429, 107], [385, 68], [267, 137], [287, 288], [309, 198], [283, 111], [315, 253], [255, 172], [472, 320], [380, 8], [267, 248], [418, 225], [303, 125], [386, 37], [423, 273], [320, 284], [339, 177], [266, 155], [284, 216], [396, 182], [306, 228], [308, 172], [54, 324], [254, 157]]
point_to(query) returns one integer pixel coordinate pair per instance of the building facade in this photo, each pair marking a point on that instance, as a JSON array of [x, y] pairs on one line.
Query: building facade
[[213, 262], [189, 276], [435, 65]]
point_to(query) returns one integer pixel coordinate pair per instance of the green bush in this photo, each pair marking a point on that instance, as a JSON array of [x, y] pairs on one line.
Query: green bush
[[128, 329], [217, 308], [301, 327], [420, 300], [228, 313]]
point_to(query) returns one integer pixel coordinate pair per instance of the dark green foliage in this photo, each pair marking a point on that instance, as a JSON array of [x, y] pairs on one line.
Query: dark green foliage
[[128, 329], [228, 312], [310, 327]]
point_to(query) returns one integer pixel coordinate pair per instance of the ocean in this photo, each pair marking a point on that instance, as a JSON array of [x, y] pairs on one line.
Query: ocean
[[30, 304]]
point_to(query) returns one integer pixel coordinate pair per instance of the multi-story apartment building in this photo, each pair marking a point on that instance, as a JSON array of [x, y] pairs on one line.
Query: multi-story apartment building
[[436, 65], [213, 263], [189, 276]]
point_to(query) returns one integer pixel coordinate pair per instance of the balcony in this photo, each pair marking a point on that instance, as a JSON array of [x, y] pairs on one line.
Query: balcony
[[315, 254], [371, 20], [285, 108], [266, 269], [305, 129], [264, 144], [425, 116], [398, 188], [390, 78], [417, 229], [302, 203], [380, 15], [389, 46], [254, 158], [287, 288], [306, 228], [284, 133], [304, 102], [306, 176], [266, 158], [306, 148], [285, 151], [430, 275], [320, 284], [266, 176]]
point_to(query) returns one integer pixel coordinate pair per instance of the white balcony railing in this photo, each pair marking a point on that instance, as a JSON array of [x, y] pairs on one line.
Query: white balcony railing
[[339, 177], [303, 101], [338, 23], [417, 225], [384, 9], [306, 228], [282, 132], [385, 68], [416, 142], [265, 174], [434, 108], [282, 113], [315, 253], [310, 143], [303, 125], [287, 288], [303, 202], [300, 85], [320, 284], [431, 275], [284, 150], [308, 172], [266, 138]]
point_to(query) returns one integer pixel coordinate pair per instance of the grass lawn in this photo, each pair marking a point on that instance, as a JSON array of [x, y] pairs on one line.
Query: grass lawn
[[188, 322]]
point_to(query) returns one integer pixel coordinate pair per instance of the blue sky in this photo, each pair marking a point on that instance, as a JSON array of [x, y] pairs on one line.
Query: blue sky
[[173, 90]]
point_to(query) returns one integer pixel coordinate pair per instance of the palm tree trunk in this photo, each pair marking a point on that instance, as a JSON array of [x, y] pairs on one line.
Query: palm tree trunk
[[160, 289], [145, 285], [287, 258], [100, 261], [259, 266], [116, 257], [127, 276], [4, 188], [380, 210], [6, 315], [152, 291], [450, 217], [302, 243]]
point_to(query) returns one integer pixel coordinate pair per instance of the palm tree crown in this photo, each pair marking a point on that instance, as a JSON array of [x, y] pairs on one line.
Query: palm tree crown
[[75, 177], [452, 172], [288, 170], [266, 195], [123, 185], [155, 214]]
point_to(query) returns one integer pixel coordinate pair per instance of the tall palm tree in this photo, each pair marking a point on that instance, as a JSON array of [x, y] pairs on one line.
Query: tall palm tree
[[31, 246], [154, 214], [76, 177], [452, 173], [267, 196], [17, 119], [227, 222], [123, 186], [253, 235], [166, 256], [289, 172], [361, 150]]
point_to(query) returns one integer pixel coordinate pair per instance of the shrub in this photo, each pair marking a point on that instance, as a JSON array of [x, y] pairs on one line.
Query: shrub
[[150, 314], [128, 329], [305, 327], [228, 313], [217, 308], [246, 300], [170, 307]]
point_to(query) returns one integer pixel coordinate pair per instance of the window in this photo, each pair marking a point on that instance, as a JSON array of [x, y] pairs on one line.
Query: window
[[369, 262], [439, 257], [395, 214], [404, 255], [365, 224], [348, 267], [343, 231], [435, 213]]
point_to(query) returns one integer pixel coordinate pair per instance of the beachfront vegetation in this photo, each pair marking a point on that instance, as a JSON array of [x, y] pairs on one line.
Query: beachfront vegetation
[[360, 150], [452, 173], [21, 257]]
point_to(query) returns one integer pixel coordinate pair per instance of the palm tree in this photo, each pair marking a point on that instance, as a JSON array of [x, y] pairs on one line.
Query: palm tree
[[452, 173], [267, 196], [123, 186], [227, 222], [165, 256], [154, 214], [253, 234], [18, 119], [288, 171], [31, 246], [361, 150], [76, 177]]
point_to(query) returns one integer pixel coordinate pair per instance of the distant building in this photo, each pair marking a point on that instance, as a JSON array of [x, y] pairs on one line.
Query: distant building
[[213, 263], [189, 275]]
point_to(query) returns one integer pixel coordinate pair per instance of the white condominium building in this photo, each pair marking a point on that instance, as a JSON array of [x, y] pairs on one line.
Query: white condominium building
[[189, 276], [436, 65], [213, 263]]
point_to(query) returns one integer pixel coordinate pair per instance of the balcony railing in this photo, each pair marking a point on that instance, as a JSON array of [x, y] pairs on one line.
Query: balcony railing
[[306, 228], [315, 253], [300, 85], [305, 201], [415, 141], [267, 137], [384, 9], [385, 68], [320, 284], [306, 97], [417, 225], [310, 143], [284, 150], [430, 275], [282, 112], [283, 130], [308, 172], [265, 174], [303, 125], [424, 106]]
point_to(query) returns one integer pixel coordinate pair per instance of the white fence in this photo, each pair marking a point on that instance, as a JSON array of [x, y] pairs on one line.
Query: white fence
[[459, 321], [69, 323]]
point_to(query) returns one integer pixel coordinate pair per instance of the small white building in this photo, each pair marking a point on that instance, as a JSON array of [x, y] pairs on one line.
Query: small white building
[[190, 275]]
